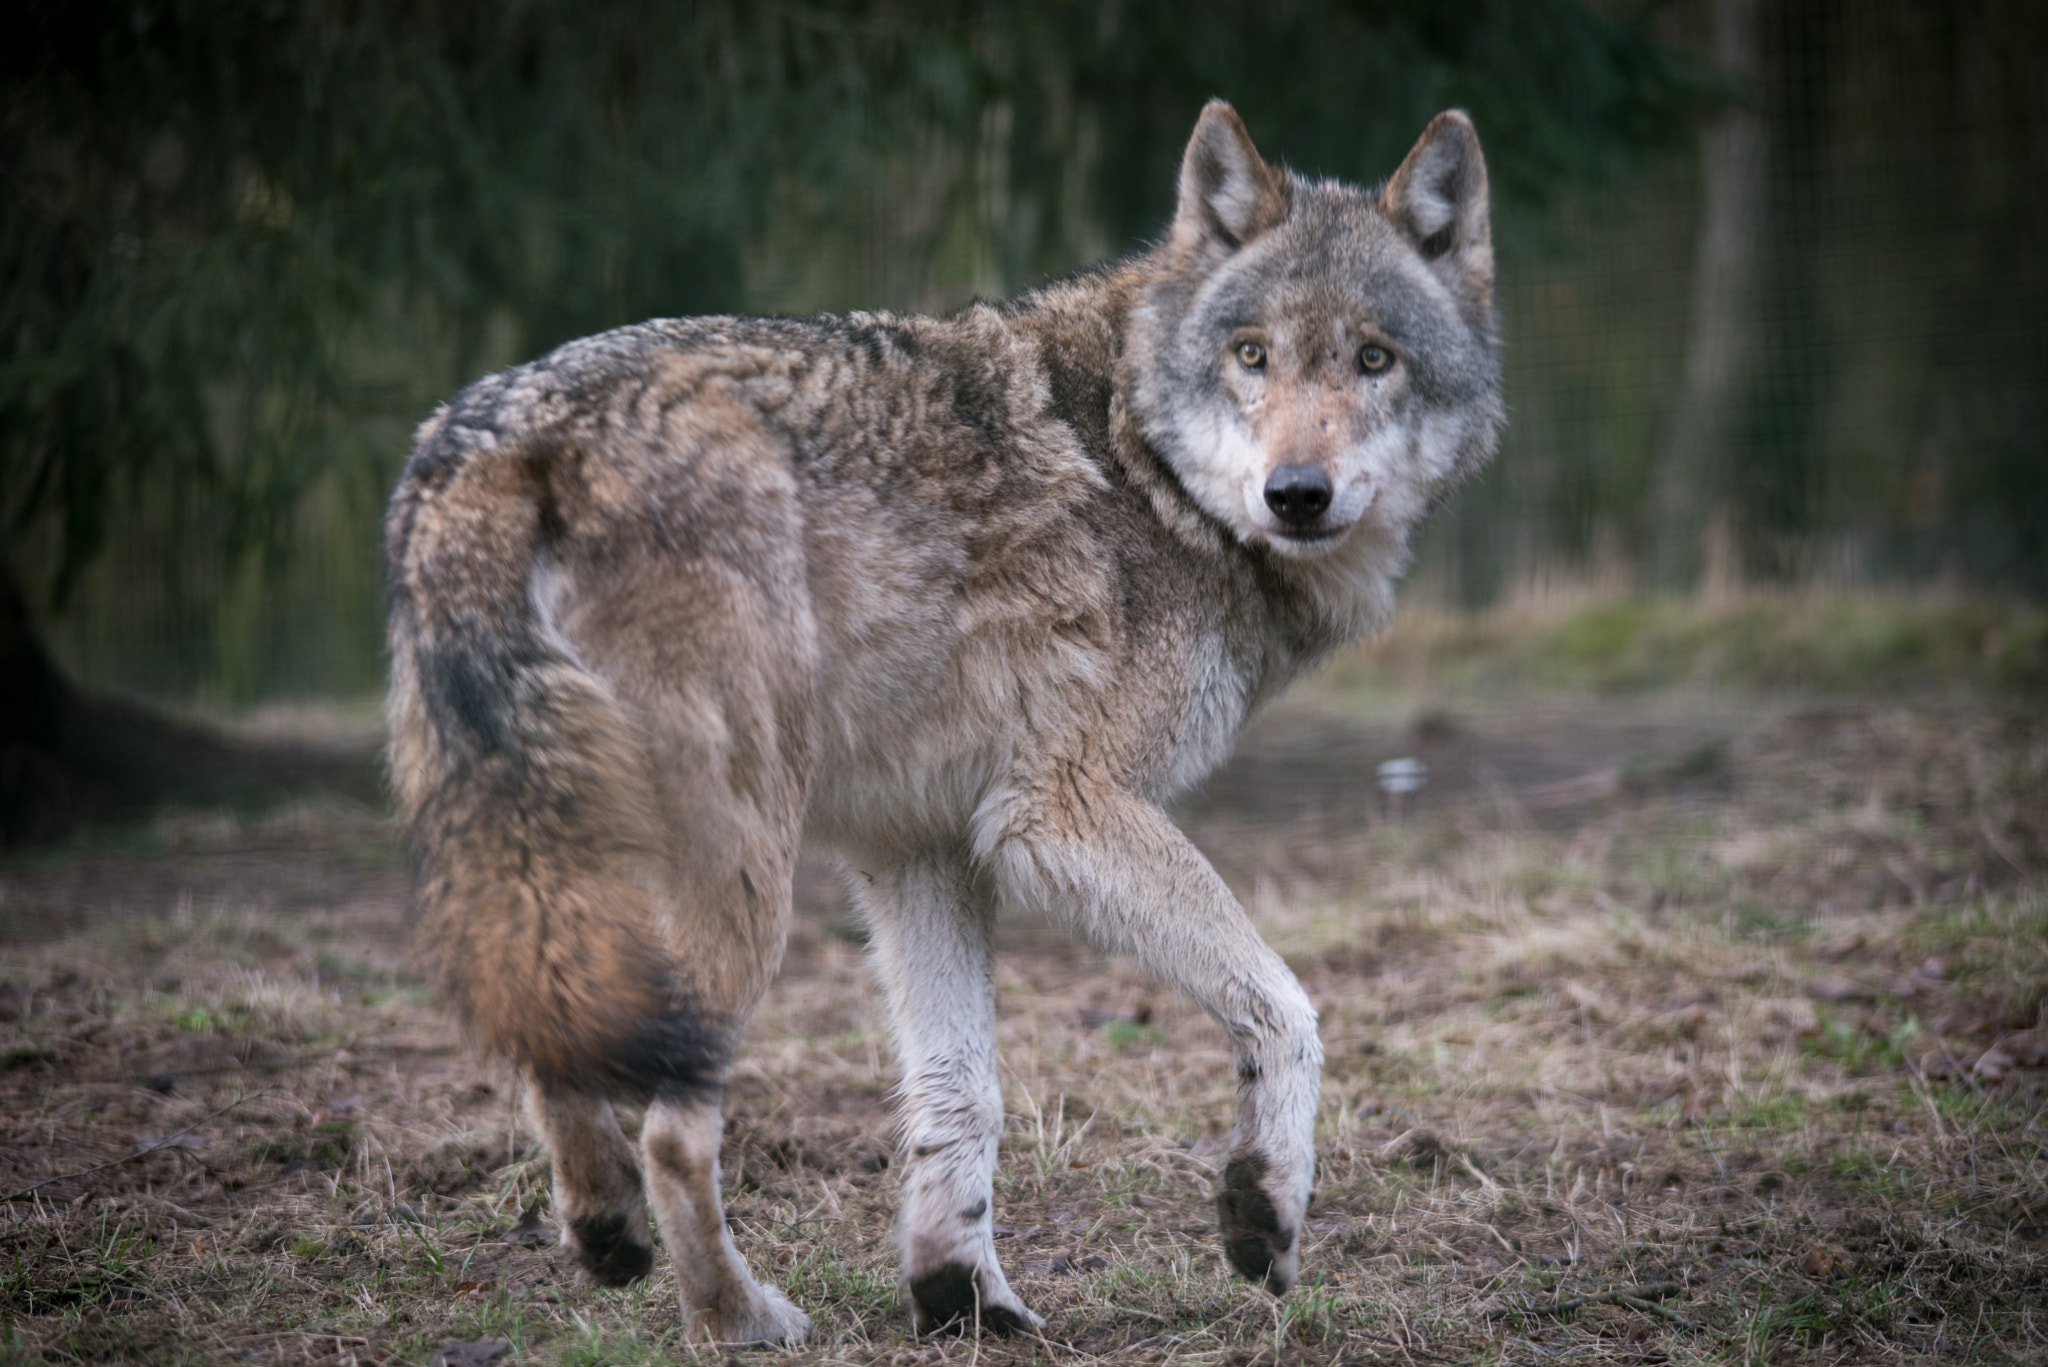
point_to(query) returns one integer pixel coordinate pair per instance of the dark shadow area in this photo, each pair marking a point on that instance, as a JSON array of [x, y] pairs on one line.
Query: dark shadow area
[[70, 758]]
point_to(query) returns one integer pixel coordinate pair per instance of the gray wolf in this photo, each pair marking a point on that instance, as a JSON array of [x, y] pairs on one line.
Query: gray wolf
[[965, 599]]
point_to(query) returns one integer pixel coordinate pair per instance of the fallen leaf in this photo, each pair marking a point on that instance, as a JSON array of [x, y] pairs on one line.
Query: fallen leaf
[[1838, 952], [1937, 1060], [1419, 1148], [149, 1143], [474, 1353], [1589, 1004], [1095, 1017], [1836, 990], [532, 1231], [2029, 1048]]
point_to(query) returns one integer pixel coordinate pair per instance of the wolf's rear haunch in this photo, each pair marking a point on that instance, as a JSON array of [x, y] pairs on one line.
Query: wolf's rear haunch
[[531, 801], [964, 599]]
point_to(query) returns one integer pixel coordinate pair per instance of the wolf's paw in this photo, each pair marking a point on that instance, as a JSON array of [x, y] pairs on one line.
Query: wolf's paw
[[1258, 1245], [956, 1298], [774, 1320], [767, 1317], [611, 1249]]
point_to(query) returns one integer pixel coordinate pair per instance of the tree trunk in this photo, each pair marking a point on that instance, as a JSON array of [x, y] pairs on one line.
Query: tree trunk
[[1689, 494], [69, 758], [35, 707]]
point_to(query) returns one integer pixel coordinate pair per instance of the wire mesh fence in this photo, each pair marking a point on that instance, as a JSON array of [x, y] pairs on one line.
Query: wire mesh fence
[[1815, 350], [1804, 342]]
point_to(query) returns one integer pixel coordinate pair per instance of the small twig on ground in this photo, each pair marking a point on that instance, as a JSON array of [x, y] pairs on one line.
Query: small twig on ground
[[157, 1147], [1712, 1152], [1406, 1334], [1397, 1343], [1650, 1307], [1634, 1297]]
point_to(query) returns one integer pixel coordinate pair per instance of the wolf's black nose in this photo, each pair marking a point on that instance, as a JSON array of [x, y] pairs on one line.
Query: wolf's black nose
[[1298, 494]]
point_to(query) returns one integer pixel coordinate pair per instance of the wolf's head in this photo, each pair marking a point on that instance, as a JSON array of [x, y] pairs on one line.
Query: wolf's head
[[1319, 363]]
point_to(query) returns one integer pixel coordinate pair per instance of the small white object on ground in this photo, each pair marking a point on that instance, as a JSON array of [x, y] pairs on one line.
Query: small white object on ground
[[1401, 776]]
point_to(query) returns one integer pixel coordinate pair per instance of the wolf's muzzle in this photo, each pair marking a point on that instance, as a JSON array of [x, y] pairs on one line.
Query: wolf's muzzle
[[1298, 494]]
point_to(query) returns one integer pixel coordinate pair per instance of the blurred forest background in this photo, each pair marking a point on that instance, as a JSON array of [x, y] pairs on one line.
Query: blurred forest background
[[1774, 289]]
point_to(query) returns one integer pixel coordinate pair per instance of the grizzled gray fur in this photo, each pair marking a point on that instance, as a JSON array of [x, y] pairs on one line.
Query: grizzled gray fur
[[966, 600]]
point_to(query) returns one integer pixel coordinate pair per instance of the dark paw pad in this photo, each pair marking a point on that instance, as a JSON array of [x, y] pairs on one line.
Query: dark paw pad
[[605, 1251], [1252, 1236], [946, 1301]]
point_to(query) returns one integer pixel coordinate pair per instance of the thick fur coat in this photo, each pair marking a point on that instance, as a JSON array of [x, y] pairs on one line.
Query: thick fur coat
[[965, 599]]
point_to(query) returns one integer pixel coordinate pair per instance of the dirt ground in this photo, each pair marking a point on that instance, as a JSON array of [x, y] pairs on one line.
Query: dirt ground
[[1685, 1028]]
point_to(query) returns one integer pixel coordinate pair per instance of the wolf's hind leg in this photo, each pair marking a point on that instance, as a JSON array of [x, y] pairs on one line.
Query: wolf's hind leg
[[931, 925], [598, 1193], [680, 1140]]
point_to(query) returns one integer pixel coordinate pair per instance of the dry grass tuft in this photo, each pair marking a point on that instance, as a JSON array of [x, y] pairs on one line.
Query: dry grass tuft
[[1674, 1031]]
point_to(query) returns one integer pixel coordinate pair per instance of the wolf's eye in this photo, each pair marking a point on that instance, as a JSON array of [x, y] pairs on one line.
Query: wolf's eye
[[1251, 355], [1373, 358]]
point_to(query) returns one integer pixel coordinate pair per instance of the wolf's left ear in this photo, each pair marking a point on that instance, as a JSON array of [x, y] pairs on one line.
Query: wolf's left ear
[[1228, 195], [1438, 198]]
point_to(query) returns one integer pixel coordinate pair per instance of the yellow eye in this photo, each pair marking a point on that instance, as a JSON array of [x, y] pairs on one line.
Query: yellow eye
[[1373, 358], [1251, 355]]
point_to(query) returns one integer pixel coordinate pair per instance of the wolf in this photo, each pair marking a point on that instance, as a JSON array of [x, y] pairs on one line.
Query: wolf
[[965, 600]]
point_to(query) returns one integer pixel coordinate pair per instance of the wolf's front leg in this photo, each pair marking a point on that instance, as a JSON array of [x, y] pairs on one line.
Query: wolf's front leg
[[930, 935], [1109, 863]]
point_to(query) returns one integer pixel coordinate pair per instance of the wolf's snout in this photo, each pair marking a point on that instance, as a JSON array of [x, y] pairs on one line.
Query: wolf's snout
[[1298, 494]]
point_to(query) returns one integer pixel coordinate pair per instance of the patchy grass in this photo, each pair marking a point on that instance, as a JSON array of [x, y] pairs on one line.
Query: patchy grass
[[1586, 640], [1677, 1030]]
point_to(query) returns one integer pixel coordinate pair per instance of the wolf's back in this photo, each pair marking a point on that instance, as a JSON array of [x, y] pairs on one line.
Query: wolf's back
[[522, 786]]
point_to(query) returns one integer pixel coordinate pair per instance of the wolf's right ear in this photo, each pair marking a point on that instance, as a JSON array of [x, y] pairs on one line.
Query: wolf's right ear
[[1439, 199], [1228, 195]]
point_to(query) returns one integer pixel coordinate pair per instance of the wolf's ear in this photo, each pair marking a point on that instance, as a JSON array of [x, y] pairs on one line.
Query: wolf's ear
[[1438, 198], [1228, 195]]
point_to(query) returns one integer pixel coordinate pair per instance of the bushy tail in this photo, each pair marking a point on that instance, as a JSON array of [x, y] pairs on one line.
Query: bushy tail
[[525, 795]]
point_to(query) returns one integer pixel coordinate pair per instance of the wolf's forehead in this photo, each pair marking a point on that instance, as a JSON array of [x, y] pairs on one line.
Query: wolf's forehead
[[1337, 277], [1304, 269]]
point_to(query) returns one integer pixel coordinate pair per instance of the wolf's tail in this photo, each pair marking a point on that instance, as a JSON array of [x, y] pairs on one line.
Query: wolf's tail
[[526, 798]]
